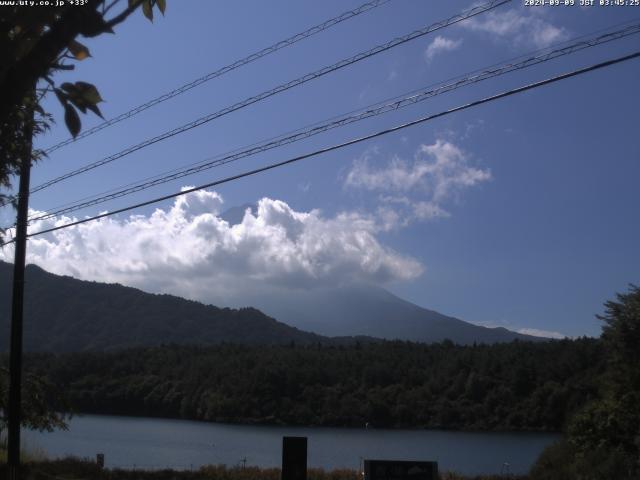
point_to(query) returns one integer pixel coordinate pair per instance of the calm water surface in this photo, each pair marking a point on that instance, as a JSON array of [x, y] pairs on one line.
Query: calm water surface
[[155, 443]]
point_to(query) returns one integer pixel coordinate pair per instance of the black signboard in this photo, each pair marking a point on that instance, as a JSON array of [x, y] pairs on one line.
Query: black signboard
[[400, 470], [294, 458]]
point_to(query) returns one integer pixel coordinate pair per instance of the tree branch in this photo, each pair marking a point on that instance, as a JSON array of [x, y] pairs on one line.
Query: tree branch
[[125, 13], [106, 8], [43, 56]]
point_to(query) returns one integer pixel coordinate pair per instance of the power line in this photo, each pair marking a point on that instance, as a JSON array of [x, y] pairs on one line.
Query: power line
[[414, 97], [522, 61], [272, 166], [224, 70], [279, 89]]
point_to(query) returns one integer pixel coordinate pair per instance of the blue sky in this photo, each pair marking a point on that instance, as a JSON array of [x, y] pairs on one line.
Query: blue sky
[[528, 215]]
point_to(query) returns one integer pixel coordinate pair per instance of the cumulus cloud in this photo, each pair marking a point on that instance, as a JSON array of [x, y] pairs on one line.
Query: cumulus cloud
[[439, 45], [536, 332], [188, 249], [528, 29], [438, 174]]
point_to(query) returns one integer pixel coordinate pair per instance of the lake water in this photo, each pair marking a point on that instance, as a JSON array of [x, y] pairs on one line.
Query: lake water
[[133, 442]]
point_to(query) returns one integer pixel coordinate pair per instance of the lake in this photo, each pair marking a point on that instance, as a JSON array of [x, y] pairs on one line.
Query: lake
[[133, 442]]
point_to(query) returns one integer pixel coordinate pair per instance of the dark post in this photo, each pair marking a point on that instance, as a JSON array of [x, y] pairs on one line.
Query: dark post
[[17, 301], [294, 458]]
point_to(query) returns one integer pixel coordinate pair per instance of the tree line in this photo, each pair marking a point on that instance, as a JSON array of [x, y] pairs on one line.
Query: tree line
[[587, 388], [516, 386]]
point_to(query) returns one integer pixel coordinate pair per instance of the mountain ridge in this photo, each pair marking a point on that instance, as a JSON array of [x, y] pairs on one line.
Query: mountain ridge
[[103, 313], [65, 314], [362, 308]]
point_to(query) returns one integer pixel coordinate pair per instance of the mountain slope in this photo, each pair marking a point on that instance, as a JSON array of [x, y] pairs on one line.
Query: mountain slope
[[363, 310], [65, 314], [373, 311]]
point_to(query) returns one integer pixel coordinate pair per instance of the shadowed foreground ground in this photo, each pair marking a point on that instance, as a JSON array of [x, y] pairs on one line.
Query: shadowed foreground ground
[[74, 469]]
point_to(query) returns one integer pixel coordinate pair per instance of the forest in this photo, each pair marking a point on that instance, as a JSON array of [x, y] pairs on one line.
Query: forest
[[589, 389], [517, 386]]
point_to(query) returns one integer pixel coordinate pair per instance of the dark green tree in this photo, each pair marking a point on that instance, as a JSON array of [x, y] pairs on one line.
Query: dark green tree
[[44, 406], [603, 438], [36, 43], [612, 424], [621, 336]]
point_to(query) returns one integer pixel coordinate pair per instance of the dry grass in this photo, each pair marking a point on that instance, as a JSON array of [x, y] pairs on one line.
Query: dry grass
[[76, 469]]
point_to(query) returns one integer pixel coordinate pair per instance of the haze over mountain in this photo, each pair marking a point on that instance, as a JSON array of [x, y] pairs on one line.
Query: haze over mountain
[[63, 314], [66, 314], [361, 309]]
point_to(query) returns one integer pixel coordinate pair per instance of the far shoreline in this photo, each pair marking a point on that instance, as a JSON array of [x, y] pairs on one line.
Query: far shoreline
[[300, 426]]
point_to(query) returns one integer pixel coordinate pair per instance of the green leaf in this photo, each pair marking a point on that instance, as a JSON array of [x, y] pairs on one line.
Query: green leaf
[[93, 24], [162, 5], [78, 50], [72, 120], [96, 110], [68, 87], [79, 103], [89, 92], [147, 9], [62, 97]]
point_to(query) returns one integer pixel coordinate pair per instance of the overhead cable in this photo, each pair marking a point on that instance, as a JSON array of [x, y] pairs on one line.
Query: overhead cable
[[222, 71], [279, 89], [414, 97], [339, 146]]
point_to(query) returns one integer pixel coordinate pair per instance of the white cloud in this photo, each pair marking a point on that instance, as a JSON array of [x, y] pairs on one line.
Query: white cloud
[[437, 175], [304, 187], [536, 332], [528, 29], [189, 250], [439, 45], [471, 128]]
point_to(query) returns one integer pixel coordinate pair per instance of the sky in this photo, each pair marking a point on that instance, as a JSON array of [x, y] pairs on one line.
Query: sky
[[518, 213]]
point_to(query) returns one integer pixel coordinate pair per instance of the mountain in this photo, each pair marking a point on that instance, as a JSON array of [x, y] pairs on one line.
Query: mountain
[[363, 310], [375, 312], [63, 314]]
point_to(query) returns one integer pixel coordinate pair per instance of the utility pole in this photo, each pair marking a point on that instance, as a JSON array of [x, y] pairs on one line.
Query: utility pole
[[17, 302]]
